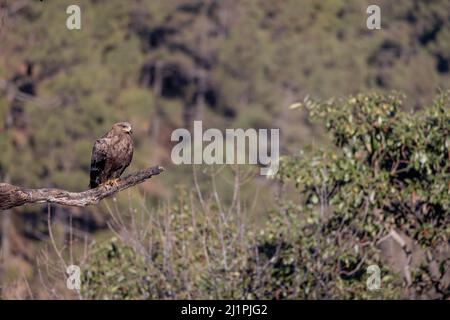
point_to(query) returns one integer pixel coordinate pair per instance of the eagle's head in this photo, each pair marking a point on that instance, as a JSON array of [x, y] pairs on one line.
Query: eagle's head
[[124, 127]]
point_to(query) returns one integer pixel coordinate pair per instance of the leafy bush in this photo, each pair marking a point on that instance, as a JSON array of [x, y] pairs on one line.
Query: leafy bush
[[389, 174], [116, 273]]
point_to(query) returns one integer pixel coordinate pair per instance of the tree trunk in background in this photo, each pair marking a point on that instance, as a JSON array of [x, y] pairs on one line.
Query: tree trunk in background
[[6, 224], [200, 98], [202, 72], [6, 227], [155, 120], [195, 109]]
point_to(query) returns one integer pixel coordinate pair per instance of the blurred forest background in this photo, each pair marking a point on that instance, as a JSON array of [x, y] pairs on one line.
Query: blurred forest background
[[227, 232]]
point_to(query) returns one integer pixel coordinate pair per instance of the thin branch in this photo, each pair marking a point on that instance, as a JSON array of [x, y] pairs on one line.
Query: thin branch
[[13, 92], [403, 245], [14, 196]]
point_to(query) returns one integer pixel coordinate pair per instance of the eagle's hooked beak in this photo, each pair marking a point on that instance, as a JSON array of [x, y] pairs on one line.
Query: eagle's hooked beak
[[127, 128], [124, 127]]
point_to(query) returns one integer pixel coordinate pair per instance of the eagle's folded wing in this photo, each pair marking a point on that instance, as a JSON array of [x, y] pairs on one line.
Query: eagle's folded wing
[[98, 161]]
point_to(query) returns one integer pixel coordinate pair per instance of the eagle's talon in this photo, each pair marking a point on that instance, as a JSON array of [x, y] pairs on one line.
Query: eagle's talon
[[102, 185], [113, 182]]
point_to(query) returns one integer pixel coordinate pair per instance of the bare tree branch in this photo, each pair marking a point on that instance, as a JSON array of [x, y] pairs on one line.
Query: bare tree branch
[[402, 243], [13, 92], [14, 196]]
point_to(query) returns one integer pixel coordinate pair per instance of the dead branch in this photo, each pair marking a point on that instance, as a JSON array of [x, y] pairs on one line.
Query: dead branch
[[14, 196], [13, 92], [407, 268]]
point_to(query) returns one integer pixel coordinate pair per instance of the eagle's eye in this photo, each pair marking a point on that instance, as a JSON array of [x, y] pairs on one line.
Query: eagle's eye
[[126, 127]]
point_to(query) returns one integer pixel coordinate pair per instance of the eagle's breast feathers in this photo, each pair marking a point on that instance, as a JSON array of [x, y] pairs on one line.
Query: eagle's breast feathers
[[111, 154]]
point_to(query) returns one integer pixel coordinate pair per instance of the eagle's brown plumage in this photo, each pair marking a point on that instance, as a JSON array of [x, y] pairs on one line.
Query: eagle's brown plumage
[[111, 154]]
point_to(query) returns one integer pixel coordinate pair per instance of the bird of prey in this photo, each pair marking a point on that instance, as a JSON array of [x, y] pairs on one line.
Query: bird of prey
[[111, 155]]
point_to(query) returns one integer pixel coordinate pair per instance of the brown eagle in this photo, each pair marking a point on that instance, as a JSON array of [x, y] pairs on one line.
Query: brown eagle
[[111, 155]]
